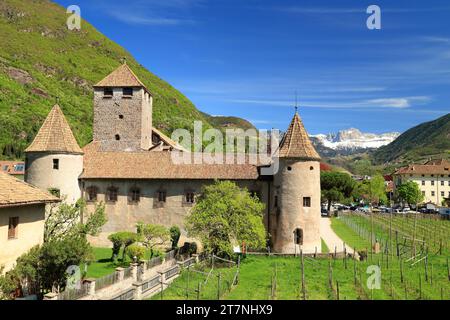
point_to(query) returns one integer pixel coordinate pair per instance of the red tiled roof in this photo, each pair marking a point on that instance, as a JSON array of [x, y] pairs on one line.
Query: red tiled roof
[[431, 167], [156, 165], [14, 192], [296, 143], [123, 76], [55, 135], [12, 166]]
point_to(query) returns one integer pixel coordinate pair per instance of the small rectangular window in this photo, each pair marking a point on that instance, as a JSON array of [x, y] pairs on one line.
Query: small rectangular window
[[189, 197], [108, 92], [92, 193], [442, 182], [135, 195], [423, 193], [13, 227], [161, 196], [442, 194], [307, 201], [111, 194], [432, 182], [127, 92], [55, 164], [423, 182], [432, 193]]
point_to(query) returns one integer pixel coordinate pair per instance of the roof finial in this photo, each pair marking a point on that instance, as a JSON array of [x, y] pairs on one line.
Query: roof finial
[[124, 60], [57, 100], [296, 105]]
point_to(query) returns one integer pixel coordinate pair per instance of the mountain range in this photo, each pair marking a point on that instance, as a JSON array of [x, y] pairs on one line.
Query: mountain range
[[354, 139]]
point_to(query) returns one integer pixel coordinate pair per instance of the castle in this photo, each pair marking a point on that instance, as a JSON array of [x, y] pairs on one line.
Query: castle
[[128, 166]]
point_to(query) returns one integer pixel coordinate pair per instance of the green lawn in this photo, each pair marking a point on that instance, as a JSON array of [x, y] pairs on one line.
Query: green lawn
[[103, 266], [325, 248]]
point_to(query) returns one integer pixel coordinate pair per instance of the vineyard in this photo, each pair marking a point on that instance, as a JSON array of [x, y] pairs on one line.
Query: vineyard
[[411, 254]]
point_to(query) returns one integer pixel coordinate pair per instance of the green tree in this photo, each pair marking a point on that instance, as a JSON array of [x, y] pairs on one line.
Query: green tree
[[336, 186], [410, 193], [136, 252], [372, 191], [121, 240], [64, 220], [226, 215], [175, 236], [152, 235]]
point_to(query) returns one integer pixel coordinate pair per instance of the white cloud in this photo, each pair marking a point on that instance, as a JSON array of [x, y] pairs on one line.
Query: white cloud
[[403, 102], [132, 18]]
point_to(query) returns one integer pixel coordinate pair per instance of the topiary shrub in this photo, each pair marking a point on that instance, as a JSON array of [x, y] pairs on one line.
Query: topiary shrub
[[136, 252], [174, 236], [121, 239]]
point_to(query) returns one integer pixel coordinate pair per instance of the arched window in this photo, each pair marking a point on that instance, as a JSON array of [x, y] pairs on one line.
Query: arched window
[[298, 236], [91, 193], [111, 194]]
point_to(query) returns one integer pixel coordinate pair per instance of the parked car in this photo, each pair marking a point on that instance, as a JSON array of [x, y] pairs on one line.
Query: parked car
[[324, 212]]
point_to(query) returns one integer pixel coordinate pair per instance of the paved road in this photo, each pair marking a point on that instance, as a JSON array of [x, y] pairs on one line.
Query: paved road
[[331, 238]]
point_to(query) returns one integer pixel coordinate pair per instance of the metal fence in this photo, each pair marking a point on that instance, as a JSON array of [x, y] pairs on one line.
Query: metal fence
[[127, 295], [127, 272], [151, 283], [171, 272], [156, 261], [188, 262], [105, 281], [74, 294], [170, 255]]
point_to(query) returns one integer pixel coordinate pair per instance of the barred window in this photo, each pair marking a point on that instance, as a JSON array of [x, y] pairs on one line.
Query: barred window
[[161, 196], [189, 197], [111, 194], [92, 193], [135, 194]]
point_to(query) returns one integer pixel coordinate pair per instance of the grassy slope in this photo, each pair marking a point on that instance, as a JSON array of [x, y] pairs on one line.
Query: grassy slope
[[429, 139], [66, 64], [225, 122]]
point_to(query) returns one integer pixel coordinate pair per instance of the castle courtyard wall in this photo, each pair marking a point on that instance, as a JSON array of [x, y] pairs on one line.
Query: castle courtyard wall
[[123, 215]]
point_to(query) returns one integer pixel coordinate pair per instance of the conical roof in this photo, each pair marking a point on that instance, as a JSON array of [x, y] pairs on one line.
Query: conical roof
[[296, 143], [55, 135], [123, 76]]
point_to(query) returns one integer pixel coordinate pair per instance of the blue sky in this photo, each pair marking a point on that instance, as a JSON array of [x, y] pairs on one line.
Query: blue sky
[[247, 58]]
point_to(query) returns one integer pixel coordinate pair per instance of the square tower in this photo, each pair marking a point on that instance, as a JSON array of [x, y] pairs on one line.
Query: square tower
[[123, 112]]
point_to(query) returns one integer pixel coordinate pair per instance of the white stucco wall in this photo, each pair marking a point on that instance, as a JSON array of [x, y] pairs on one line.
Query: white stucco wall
[[41, 174], [30, 232]]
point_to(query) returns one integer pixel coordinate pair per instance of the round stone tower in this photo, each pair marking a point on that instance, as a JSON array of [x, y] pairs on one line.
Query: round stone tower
[[54, 160], [298, 190]]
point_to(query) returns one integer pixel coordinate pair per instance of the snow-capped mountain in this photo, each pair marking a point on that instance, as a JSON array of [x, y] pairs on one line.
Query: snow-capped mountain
[[354, 139]]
